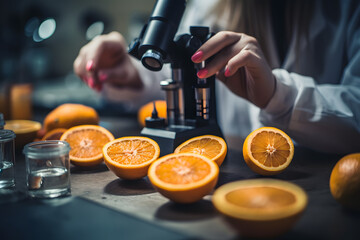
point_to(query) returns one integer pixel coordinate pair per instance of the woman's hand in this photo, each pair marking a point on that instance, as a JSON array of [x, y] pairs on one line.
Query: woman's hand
[[240, 64], [105, 59]]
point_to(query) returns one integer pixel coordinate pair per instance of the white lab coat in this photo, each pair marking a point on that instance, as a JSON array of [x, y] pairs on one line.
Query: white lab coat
[[317, 101]]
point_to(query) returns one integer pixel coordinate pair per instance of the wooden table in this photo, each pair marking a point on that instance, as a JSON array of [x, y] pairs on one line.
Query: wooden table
[[324, 218]]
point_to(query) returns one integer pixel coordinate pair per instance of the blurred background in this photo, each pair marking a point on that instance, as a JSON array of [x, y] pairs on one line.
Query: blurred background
[[39, 41]]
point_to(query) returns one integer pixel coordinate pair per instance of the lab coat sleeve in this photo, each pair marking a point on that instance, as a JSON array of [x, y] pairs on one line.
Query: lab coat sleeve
[[323, 117], [132, 99]]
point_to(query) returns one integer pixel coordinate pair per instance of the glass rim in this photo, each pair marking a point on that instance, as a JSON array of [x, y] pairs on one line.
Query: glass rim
[[48, 147], [6, 135]]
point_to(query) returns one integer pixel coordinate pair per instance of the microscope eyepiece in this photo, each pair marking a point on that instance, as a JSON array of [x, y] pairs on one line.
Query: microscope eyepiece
[[157, 37], [152, 60]]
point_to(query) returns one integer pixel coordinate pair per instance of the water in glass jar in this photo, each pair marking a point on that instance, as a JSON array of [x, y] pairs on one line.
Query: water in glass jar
[[6, 174], [49, 182]]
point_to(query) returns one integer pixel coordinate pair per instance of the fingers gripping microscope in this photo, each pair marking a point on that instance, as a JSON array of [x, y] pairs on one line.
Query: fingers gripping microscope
[[191, 102]]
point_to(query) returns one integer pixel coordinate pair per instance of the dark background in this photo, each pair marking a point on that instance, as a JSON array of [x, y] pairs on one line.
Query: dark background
[[48, 63]]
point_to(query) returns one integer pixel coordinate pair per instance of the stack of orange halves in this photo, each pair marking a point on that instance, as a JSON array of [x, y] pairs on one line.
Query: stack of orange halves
[[185, 176]]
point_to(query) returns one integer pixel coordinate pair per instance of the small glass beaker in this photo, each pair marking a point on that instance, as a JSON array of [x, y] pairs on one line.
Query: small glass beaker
[[7, 159], [47, 169]]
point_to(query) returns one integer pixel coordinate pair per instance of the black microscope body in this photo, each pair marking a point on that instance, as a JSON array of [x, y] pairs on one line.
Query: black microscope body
[[191, 101]]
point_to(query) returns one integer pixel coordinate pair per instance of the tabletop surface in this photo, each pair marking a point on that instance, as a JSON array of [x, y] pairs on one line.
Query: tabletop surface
[[104, 205]]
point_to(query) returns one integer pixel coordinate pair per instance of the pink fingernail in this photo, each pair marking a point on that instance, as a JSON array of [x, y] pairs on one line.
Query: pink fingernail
[[91, 82], [197, 56], [89, 65], [227, 72], [202, 73], [103, 77]]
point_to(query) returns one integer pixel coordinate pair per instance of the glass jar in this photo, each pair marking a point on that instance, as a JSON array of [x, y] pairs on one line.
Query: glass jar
[[7, 158], [47, 168]]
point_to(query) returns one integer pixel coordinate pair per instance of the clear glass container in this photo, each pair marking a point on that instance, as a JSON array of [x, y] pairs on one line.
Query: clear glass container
[[7, 158], [47, 169], [2, 121]]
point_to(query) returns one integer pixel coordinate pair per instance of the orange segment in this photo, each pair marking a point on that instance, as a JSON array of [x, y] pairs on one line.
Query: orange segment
[[86, 142], [184, 177], [268, 151], [130, 157], [212, 147]]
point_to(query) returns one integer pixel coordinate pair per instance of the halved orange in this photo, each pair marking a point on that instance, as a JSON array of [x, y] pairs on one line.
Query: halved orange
[[268, 151], [130, 157], [212, 147], [86, 142], [184, 177], [260, 207], [25, 130], [54, 134]]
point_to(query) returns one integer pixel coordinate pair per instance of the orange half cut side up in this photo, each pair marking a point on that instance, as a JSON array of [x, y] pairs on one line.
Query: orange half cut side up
[[268, 151]]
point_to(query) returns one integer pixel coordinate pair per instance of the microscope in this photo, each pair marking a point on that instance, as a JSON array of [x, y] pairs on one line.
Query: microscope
[[191, 102]]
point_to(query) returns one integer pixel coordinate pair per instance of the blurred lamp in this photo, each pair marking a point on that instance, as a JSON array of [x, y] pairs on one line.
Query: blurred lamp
[[47, 28], [40, 31], [93, 23], [94, 30]]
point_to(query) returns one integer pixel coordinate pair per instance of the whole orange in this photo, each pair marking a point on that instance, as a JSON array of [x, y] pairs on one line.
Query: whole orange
[[146, 110], [69, 115], [345, 181]]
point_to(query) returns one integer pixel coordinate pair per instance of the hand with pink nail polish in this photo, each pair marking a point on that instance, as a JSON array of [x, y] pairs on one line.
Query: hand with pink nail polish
[[105, 60], [91, 82], [89, 65], [102, 77], [197, 56], [238, 62]]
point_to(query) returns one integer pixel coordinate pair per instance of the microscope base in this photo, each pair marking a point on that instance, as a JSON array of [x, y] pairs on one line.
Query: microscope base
[[171, 137]]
